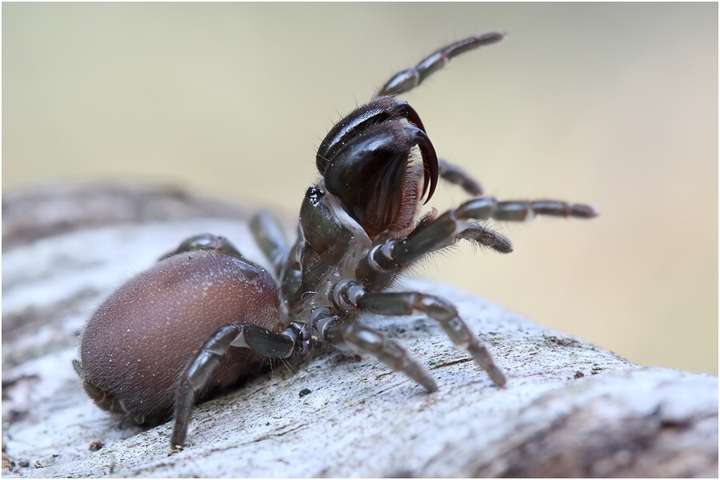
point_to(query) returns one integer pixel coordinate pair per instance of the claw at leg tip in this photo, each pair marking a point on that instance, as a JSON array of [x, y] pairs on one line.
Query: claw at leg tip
[[498, 378], [430, 386], [586, 211], [177, 444]]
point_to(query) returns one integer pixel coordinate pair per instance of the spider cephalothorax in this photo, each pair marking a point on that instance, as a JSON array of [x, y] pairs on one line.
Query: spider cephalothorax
[[204, 316]]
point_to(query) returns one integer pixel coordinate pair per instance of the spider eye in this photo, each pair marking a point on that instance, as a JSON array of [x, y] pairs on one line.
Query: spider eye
[[314, 195]]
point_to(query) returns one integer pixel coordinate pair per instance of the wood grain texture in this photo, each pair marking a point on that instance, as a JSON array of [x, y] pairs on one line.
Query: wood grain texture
[[570, 408]]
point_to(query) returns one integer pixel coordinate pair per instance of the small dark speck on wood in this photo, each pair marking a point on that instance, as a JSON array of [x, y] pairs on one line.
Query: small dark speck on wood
[[95, 445]]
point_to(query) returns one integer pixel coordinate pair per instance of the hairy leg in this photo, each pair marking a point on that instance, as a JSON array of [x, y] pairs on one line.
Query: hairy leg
[[393, 255], [387, 259]]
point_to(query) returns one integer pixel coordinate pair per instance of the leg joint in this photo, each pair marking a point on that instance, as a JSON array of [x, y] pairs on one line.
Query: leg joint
[[435, 307], [346, 294]]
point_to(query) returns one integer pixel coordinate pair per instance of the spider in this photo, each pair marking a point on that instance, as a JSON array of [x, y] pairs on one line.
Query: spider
[[204, 316]]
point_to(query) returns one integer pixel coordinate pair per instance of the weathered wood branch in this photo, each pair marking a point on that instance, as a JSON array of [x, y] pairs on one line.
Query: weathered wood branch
[[570, 408]]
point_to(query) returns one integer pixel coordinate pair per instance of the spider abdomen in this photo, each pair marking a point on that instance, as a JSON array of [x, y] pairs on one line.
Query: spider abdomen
[[140, 340]]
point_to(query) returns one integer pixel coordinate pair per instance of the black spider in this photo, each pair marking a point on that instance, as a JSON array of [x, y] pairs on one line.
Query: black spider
[[204, 316]]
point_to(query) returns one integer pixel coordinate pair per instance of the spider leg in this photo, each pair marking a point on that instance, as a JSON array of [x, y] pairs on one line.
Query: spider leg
[[389, 352], [457, 176], [461, 223], [386, 259], [440, 310], [205, 241], [268, 234], [199, 371], [405, 80], [484, 208]]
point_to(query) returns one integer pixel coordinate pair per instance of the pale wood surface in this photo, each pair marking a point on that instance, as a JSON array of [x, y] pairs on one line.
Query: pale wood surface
[[570, 409]]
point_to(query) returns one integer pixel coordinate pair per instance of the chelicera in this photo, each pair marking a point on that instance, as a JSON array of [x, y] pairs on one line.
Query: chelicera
[[205, 317]]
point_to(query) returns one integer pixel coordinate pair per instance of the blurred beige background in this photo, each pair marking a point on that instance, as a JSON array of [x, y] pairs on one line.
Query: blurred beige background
[[610, 104]]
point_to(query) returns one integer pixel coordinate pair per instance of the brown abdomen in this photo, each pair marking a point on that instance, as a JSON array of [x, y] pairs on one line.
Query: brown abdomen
[[138, 342]]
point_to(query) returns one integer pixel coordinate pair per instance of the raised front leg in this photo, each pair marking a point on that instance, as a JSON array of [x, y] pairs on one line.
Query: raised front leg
[[440, 310], [407, 79], [388, 258], [457, 176], [393, 255], [200, 370]]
